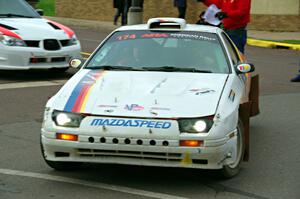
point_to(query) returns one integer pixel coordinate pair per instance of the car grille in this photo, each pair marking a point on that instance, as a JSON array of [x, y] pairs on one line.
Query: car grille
[[32, 43], [130, 154], [58, 59], [51, 44], [35, 60], [65, 42]]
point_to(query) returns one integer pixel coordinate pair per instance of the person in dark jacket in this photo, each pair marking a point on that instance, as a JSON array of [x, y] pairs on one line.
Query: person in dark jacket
[[181, 6], [235, 15], [119, 5]]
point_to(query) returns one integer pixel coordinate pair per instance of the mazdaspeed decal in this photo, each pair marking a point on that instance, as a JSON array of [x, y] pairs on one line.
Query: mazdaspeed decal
[[80, 95], [131, 123]]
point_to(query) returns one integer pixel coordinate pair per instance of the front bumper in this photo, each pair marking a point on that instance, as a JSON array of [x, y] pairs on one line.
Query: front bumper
[[24, 58], [91, 149]]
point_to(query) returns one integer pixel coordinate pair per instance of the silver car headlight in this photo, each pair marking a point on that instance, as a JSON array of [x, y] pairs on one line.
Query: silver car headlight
[[66, 119], [11, 41], [73, 40], [197, 125]]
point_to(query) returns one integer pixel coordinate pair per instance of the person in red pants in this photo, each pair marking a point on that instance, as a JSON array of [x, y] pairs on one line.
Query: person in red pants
[[235, 15]]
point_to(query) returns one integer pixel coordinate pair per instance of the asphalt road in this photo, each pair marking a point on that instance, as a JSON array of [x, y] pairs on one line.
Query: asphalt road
[[272, 172]]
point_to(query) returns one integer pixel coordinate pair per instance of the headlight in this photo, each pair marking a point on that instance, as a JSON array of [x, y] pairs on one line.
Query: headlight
[[73, 40], [198, 125], [67, 119], [11, 41]]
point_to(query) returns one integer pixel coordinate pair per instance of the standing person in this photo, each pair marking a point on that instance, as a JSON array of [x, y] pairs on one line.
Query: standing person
[[119, 5], [235, 15], [127, 5], [181, 6]]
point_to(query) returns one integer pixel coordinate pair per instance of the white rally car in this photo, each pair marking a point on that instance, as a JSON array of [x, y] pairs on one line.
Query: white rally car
[[28, 41], [165, 93]]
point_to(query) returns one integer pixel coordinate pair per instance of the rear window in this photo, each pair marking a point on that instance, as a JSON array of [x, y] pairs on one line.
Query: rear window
[[185, 49]]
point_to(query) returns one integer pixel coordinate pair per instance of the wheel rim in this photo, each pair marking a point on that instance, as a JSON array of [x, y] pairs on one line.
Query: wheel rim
[[239, 149]]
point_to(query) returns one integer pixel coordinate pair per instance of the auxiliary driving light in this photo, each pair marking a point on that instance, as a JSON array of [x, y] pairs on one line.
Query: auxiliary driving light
[[191, 143], [68, 137]]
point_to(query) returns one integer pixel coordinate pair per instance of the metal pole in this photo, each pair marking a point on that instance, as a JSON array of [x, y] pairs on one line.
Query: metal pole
[[135, 12]]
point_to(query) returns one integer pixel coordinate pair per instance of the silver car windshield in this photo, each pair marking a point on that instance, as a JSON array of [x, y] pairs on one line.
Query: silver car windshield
[[16, 9], [184, 51]]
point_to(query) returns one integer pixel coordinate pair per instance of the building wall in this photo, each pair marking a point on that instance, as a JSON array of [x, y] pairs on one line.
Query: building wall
[[278, 15], [275, 7]]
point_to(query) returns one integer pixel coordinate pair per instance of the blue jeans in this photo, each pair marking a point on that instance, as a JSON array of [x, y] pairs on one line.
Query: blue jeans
[[239, 38]]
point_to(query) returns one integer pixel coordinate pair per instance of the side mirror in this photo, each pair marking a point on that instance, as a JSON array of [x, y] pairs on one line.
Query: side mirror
[[245, 68], [76, 63], [40, 11]]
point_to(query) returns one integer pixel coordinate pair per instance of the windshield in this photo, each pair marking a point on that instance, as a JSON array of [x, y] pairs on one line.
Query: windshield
[[184, 51], [16, 8]]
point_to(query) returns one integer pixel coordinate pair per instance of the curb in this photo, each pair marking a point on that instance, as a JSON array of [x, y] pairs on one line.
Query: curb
[[272, 44]]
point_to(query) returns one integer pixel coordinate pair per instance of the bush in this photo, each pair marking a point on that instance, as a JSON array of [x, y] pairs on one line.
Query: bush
[[48, 6]]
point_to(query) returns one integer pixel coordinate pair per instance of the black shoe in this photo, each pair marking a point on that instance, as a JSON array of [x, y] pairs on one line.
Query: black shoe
[[296, 79]]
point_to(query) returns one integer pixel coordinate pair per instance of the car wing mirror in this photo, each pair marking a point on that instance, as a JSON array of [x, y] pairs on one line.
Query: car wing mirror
[[76, 63], [245, 68], [40, 11]]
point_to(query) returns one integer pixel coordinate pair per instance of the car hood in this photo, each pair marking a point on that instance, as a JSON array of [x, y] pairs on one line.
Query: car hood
[[141, 94], [33, 28]]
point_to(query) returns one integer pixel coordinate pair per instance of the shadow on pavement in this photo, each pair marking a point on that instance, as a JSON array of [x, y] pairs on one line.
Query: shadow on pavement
[[7, 76]]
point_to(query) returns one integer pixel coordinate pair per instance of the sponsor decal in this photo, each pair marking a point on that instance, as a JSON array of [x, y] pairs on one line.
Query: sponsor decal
[[155, 35], [149, 35], [202, 91], [107, 106], [160, 108], [81, 93], [131, 123], [191, 36], [133, 107], [231, 95]]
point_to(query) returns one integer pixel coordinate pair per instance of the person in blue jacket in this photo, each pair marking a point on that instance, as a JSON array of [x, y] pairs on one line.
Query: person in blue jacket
[[181, 6]]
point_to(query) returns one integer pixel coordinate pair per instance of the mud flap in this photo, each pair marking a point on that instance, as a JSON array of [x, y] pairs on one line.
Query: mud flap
[[254, 96], [244, 114]]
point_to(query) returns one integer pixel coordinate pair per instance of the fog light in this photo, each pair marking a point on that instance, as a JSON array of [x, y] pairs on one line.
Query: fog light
[[68, 137], [191, 143]]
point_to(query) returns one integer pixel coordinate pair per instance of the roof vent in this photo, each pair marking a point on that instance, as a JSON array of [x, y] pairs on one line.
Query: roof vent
[[166, 23]]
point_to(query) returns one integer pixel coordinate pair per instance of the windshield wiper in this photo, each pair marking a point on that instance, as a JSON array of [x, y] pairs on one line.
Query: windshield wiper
[[176, 69], [108, 67], [14, 15]]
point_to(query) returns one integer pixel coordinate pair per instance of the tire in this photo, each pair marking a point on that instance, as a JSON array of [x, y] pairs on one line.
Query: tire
[[60, 166], [232, 170]]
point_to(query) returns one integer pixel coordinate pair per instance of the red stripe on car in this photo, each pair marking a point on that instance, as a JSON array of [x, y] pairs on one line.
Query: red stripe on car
[[9, 33], [67, 30]]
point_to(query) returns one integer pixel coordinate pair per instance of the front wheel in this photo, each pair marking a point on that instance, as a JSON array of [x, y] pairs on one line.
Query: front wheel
[[233, 169]]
